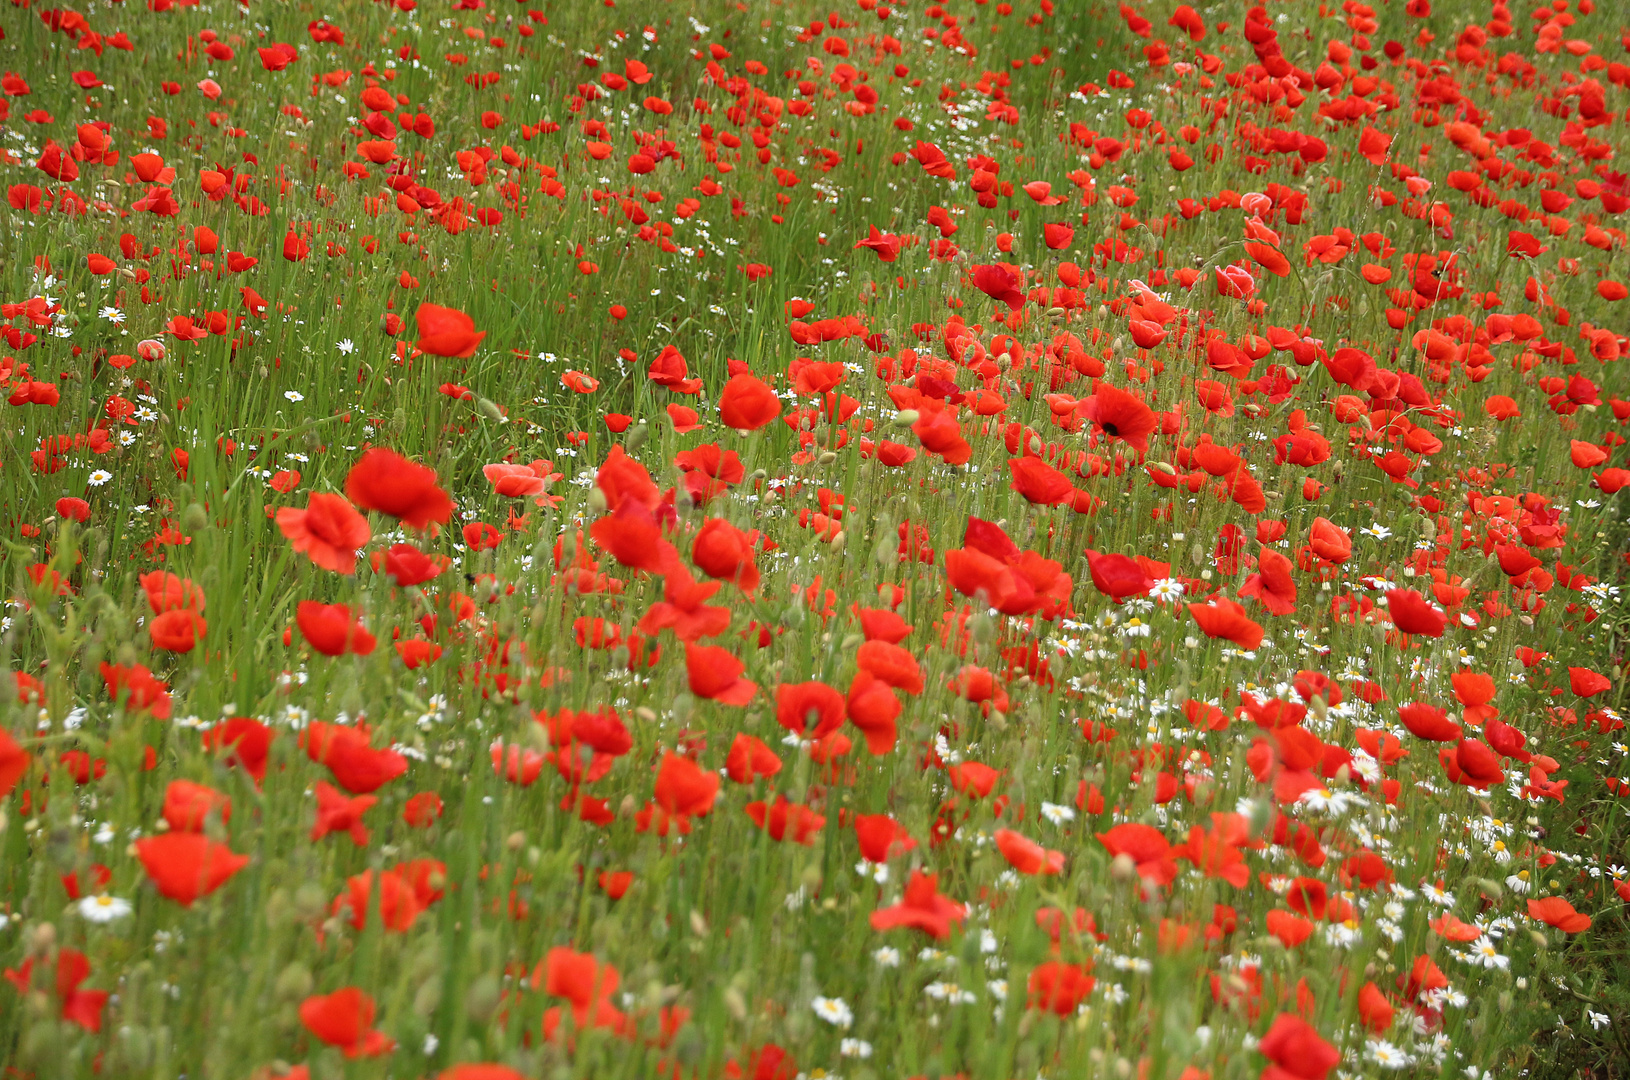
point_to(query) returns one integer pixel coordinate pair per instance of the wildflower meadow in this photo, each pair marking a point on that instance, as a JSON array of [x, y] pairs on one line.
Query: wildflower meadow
[[791, 539]]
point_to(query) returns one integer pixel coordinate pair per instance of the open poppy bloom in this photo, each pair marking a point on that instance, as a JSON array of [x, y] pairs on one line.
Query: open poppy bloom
[[715, 673], [446, 332], [185, 866], [922, 908], [344, 1019]]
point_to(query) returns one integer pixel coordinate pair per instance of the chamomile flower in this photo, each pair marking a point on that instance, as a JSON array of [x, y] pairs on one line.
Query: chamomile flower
[[112, 315], [102, 908], [834, 1011], [98, 478], [294, 395], [346, 346], [1386, 1055], [1058, 815], [1485, 953], [886, 956], [1166, 589]]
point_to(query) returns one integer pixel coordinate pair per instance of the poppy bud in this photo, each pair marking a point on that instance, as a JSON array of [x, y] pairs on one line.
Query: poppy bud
[[636, 437]]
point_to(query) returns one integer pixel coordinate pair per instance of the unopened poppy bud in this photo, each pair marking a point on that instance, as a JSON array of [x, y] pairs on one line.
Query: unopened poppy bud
[[482, 998], [982, 628], [517, 839], [827, 457], [194, 518], [597, 500], [906, 418], [1164, 467], [1123, 867], [41, 941], [428, 998], [636, 437], [735, 1002], [491, 410], [293, 983], [1540, 940], [310, 901], [136, 1047], [698, 924]]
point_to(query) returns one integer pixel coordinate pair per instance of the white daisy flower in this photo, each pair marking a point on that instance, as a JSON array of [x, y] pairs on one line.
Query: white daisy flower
[[834, 1011], [103, 908]]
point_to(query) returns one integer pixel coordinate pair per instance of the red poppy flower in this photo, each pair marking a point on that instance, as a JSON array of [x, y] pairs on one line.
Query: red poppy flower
[[385, 481], [586, 983], [786, 820], [1412, 614], [685, 790], [333, 629], [922, 908], [328, 531], [881, 837], [1222, 618], [715, 673], [1556, 911], [1026, 856], [338, 814], [446, 332], [245, 742], [873, 709], [1059, 988], [1001, 281], [810, 710], [82, 1007], [188, 805], [1272, 585], [1296, 1050], [723, 551], [1146, 847], [357, 766], [1121, 415], [344, 1019], [1118, 576], [747, 403], [185, 866]]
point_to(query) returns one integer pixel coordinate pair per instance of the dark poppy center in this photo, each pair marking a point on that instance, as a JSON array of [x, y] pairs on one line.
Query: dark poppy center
[[1111, 430]]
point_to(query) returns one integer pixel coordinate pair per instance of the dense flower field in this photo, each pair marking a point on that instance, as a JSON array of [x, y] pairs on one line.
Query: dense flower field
[[764, 540]]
